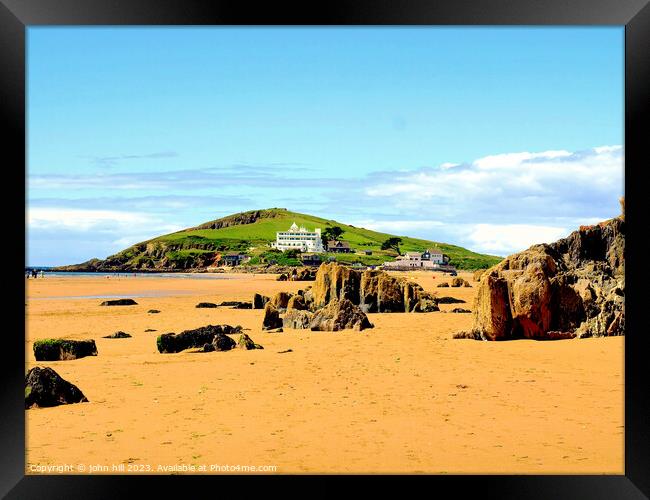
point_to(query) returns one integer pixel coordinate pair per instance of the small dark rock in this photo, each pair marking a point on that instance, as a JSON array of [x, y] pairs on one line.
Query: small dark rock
[[119, 302], [153, 311], [44, 387], [460, 310], [472, 334], [235, 304], [449, 300], [118, 335], [150, 330], [172, 342], [205, 305], [458, 282]]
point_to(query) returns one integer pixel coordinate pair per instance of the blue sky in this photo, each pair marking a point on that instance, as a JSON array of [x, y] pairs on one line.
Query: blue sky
[[490, 138]]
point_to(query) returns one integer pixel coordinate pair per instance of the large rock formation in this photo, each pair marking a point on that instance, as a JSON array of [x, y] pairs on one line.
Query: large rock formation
[[62, 349], [44, 387], [173, 342], [573, 287], [372, 291], [351, 294], [339, 315]]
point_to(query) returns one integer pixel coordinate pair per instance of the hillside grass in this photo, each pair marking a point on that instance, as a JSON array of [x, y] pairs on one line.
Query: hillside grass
[[259, 234]]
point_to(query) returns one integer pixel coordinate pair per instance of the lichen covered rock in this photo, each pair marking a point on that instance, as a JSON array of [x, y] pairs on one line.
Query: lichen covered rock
[[63, 349], [245, 342]]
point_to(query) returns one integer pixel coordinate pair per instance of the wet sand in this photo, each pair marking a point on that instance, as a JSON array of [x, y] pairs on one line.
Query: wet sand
[[403, 397]]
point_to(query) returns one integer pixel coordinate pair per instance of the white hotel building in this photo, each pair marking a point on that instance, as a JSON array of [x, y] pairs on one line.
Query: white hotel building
[[298, 238]]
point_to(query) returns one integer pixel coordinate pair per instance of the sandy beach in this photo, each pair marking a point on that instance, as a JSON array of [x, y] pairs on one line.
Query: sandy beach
[[403, 397]]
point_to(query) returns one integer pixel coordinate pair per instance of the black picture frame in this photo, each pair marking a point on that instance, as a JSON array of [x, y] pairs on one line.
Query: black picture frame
[[17, 15]]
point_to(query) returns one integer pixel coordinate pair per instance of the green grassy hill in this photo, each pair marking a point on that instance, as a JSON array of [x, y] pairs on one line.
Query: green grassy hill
[[251, 233]]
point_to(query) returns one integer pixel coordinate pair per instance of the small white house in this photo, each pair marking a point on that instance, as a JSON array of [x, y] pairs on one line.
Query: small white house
[[429, 259], [299, 238], [434, 255]]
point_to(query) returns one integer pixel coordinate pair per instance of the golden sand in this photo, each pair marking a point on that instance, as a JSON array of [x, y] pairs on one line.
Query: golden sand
[[403, 397]]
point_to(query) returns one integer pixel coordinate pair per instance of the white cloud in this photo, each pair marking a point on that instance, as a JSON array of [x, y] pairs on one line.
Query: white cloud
[[502, 203], [512, 160], [81, 220], [124, 226], [63, 235], [531, 184], [607, 149], [507, 238]]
